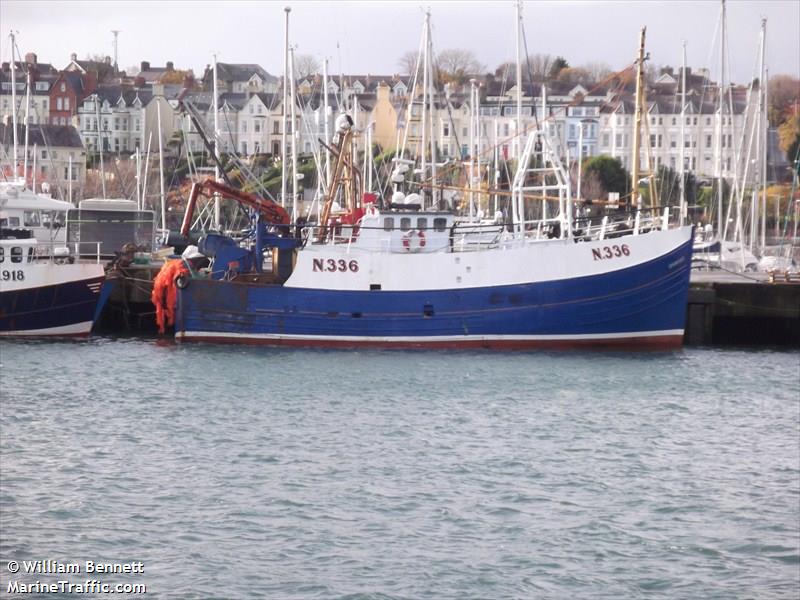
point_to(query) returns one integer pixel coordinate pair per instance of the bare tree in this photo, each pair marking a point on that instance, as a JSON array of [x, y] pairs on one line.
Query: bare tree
[[538, 65], [457, 65], [597, 70], [408, 62], [305, 65]]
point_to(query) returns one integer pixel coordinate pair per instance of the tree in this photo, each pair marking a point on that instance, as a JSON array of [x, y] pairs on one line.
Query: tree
[[784, 95], [537, 67], [668, 186], [408, 63], [555, 68], [305, 65], [609, 174], [597, 70], [575, 76], [789, 137], [457, 65]]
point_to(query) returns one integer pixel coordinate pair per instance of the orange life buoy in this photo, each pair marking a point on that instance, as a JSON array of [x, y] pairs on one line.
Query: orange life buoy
[[420, 235]]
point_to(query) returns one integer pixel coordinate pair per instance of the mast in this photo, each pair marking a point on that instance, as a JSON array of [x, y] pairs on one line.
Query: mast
[[519, 80], [681, 158], [721, 118], [287, 10], [424, 122], [27, 125], [327, 118], [763, 116], [100, 142], [637, 126], [472, 149], [429, 51], [580, 161], [161, 168], [14, 103], [294, 135], [216, 225]]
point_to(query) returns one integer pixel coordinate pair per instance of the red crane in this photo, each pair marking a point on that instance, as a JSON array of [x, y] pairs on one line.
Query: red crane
[[271, 211]]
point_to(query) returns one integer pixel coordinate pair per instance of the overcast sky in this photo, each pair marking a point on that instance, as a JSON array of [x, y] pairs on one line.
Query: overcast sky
[[369, 37]]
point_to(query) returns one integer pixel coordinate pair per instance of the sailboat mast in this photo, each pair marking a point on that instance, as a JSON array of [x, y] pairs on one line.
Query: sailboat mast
[[294, 135], [721, 104], [214, 145], [424, 122], [637, 126], [681, 158], [326, 110], [519, 80], [14, 102], [27, 126], [287, 10], [161, 170], [765, 124], [431, 99]]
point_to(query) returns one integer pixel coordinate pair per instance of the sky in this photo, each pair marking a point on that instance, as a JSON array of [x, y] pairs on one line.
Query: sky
[[369, 37]]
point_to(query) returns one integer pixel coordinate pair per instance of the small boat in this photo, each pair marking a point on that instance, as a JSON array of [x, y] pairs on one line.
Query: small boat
[[44, 289]]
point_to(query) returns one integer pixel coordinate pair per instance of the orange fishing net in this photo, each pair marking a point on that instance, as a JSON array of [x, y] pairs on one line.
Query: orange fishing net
[[165, 292]]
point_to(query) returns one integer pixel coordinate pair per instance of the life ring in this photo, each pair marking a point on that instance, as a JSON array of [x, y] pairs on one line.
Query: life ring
[[182, 281], [420, 235]]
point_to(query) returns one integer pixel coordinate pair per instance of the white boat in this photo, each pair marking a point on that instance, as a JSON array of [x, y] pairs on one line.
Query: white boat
[[44, 289]]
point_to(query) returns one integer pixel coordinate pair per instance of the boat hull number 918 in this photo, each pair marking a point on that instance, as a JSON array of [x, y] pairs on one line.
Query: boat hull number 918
[[13, 275], [614, 251], [330, 265]]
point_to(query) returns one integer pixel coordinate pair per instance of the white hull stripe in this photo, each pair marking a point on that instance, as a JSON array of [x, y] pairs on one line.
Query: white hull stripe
[[74, 329], [430, 338]]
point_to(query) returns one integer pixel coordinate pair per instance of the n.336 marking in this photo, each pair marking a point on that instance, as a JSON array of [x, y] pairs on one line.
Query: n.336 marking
[[330, 265], [613, 251]]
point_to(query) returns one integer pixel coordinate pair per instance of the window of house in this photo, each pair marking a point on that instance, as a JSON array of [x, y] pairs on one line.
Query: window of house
[[256, 147], [708, 121], [674, 121], [44, 153], [276, 127], [66, 103], [136, 124], [708, 141], [672, 144], [44, 103], [446, 129], [59, 103], [244, 148], [257, 127], [244, 126], [63, 87], [695, 120]]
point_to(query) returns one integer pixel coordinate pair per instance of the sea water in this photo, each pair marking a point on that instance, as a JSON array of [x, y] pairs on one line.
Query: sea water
[[204, 471]]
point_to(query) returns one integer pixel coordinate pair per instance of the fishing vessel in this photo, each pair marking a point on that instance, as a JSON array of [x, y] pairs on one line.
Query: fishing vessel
[[44, 289], [402, 276]]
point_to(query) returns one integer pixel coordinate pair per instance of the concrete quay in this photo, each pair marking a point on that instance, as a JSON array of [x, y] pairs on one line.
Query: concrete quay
[[743, 309]]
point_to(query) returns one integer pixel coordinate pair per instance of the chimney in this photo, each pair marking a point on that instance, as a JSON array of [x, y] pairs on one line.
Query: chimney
[[30, 58], [170, 66], [138, 81], [107, 60], [73, 57], [145, 66]]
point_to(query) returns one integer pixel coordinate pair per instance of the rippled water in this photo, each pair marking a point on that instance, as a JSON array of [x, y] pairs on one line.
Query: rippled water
[[240, 473]]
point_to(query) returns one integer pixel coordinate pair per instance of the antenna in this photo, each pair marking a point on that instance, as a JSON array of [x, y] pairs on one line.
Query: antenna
[[116, 33]]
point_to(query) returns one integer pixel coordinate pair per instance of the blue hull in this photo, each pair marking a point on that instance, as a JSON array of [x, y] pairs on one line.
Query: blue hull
[[42, 310], [643, 305]]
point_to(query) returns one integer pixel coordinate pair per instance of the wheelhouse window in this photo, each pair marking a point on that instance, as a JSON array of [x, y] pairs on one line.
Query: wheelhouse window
[[422, 223], [439, 224], [16, 254], [31, 218], [405, 224], [388, 224]]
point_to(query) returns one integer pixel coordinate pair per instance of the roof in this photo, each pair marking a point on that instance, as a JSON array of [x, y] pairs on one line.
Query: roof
[[55, 136], [238, 72]]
